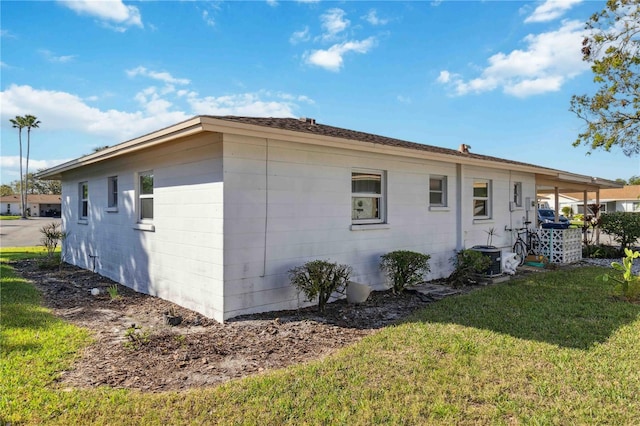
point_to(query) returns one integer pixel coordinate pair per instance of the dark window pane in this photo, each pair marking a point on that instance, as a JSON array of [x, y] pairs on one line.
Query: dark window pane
[[85, 208], [366, 183], [435, 184], [435, 198], [480, 208], [480, 189], [146, 184], [146, 208]]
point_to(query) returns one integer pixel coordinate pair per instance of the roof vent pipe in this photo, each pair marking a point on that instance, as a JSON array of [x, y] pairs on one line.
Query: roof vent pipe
[[464, 148]]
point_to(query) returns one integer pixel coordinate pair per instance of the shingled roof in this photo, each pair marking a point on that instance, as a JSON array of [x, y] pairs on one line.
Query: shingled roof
[[307, 125]]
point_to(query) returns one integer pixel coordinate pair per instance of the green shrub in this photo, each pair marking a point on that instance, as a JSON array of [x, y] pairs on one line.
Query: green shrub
[[320, 278], [627, 284], [623, 226], [405, 268], [468, 264], [52, 233], [567, 211], [601, 252]]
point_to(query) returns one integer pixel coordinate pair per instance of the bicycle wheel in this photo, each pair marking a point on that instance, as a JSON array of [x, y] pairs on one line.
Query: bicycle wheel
[[534, 244], [520, 249]]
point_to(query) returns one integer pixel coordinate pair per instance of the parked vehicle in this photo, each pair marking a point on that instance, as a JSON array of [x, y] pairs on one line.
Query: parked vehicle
[[548, 216]]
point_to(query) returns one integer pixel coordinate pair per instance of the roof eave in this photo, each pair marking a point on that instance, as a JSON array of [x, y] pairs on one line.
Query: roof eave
[[185, 128]]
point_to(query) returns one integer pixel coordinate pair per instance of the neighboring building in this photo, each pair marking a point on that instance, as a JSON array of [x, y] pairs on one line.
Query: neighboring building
[[37, 205], [213, 212], [625, 199]]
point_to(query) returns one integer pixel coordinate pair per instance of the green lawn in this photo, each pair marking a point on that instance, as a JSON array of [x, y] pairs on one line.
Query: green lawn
[[552, 348], [9, 217]]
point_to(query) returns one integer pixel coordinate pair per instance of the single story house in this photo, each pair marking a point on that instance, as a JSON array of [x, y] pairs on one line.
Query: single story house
[[211, 213], [37, 205], [625, 199]]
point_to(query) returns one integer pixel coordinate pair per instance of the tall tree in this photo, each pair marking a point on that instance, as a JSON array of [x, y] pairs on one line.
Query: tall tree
[[19, 123], [612, 46], [31, 122]]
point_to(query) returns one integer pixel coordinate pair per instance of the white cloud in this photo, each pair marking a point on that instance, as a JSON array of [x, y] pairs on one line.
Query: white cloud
[[68, 112], [10, 165], [372, 18], [332, 58], [272, 3], [108, 12], [155, 75], [208, 19], [550, 10], [549, 60], [260, 104], [300, 36], [333, 23], [51, 57]]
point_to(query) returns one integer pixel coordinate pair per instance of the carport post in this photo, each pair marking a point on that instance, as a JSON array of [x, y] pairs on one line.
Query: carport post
[[597, 215]]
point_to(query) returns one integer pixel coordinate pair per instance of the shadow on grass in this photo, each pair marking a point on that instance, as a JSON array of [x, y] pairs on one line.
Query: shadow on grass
[[568, 308]]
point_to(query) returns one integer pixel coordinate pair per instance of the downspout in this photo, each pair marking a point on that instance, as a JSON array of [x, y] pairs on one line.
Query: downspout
[[266, 207], [597, 228], [459, 230]]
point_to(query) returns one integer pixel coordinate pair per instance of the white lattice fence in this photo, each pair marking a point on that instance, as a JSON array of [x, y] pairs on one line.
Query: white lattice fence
[[561, 245]]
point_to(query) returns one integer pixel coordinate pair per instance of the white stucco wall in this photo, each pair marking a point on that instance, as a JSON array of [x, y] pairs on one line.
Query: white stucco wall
[[288, 203], [181, 260]]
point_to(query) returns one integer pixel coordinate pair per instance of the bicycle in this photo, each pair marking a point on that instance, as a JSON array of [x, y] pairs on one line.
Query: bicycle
[[528, 245]]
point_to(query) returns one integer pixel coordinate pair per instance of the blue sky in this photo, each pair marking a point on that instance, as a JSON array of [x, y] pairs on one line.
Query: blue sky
[[496, 75]]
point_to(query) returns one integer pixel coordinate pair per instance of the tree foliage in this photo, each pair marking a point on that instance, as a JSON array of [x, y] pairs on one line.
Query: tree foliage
[[612, 46], [623, 226], [21, 122], [36, 186]]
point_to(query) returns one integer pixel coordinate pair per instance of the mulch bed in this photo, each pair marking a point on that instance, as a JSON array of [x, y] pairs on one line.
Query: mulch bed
[[133, 347]]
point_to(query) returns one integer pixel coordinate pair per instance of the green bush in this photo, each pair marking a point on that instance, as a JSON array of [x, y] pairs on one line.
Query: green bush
[[468, 264], [601, 252], [567, 211], [320, 279], [623, 226], [405, 268]]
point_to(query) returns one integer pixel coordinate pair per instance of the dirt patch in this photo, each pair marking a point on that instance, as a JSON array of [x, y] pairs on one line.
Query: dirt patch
[[134, 348]]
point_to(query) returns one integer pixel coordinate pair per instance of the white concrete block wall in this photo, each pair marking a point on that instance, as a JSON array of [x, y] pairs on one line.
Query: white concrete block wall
[[309, 217], [475, 231], [182, 259]]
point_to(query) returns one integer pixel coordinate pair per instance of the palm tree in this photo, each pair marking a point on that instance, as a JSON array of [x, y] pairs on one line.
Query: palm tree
[[30, 122], [19, 123]]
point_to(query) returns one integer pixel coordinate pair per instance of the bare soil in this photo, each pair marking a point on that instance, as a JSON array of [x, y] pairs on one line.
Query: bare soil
[[134, 348]]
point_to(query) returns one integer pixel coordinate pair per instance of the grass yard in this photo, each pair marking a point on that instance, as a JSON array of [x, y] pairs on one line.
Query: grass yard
[[9, 217], [552, 348]]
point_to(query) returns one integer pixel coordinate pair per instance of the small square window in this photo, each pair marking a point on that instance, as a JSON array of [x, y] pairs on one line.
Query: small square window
[[517, 194], [481, 199], [367, 197], [145, 195], [83, 197], [438, 191], [112, 192]]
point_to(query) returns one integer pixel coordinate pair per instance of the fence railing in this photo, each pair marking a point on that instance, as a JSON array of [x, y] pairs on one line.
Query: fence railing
[[561, 245]]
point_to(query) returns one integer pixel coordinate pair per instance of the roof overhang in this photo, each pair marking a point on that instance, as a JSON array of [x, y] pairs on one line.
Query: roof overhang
[[199, 124]]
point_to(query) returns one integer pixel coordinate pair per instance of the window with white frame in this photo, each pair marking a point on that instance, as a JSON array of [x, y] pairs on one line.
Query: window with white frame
[[438, 191], [83, 200], [517, 194], [367, 196], [481, 199], [145, 196], [112, 192]]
